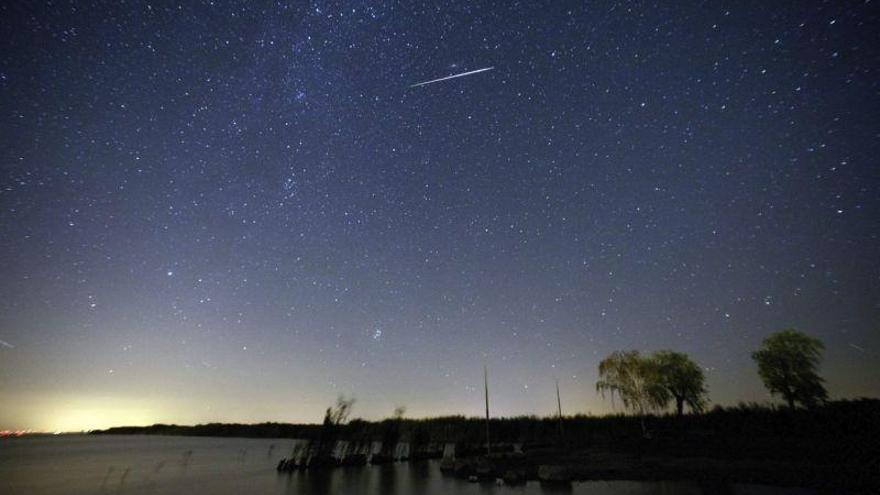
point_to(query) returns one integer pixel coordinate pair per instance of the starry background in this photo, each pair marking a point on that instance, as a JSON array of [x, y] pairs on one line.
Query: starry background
[[236, 211]]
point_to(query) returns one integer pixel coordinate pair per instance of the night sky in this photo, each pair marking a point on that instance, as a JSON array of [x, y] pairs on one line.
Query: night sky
[[236, 211]]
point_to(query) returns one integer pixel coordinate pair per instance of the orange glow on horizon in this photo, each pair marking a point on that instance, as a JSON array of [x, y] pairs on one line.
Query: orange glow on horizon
[[96, 414]]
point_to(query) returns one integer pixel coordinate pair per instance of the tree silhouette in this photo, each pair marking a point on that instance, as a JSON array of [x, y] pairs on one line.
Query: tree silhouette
[[334, 417], [338, 414], [635, 380], [682, 378], [787, 363], [391, 435]]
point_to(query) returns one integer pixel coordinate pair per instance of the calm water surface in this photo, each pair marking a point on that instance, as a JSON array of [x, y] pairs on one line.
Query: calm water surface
[[189, 465]]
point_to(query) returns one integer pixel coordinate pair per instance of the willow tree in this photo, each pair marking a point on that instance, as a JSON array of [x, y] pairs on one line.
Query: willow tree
[[635, 380], [787, 363], [683, 380]]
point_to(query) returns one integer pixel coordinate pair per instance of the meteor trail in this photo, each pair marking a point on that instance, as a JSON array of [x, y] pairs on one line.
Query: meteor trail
[[484, 69]]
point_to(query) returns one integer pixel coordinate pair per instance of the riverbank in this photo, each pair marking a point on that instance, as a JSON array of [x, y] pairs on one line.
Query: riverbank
[[169, 465], [835, 446]]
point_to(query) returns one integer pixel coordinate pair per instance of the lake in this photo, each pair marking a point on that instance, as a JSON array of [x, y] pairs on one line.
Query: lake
[[191, 465]]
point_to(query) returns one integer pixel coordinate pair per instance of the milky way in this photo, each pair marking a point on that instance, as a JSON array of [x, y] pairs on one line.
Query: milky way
[[218, 211]]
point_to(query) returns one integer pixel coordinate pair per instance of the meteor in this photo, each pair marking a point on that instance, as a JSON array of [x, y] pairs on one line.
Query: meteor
[[484, 69]]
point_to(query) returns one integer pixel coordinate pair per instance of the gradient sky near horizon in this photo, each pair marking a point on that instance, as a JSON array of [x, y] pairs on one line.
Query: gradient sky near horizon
[[236, 211]]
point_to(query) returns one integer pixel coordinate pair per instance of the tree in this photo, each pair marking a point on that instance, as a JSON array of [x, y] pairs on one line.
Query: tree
[[334, 417], [787, 363], [683, 380], [635, 380], [339, 414], [391, 434], [399, 411]]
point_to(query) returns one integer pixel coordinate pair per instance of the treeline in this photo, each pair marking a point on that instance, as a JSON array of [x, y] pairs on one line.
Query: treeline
[[838, 431], [788, 363], [260, 430], [831, 432]]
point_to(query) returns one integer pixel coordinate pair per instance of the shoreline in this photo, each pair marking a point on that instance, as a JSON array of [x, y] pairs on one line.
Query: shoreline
[[836, 445], [560, 467]]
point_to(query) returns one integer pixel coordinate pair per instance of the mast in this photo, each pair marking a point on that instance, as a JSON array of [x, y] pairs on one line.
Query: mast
[[559, 408], [486, 387]]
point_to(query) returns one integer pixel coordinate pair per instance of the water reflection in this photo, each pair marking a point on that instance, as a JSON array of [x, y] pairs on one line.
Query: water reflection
[[181, 465], [418, 473], [424, 477]]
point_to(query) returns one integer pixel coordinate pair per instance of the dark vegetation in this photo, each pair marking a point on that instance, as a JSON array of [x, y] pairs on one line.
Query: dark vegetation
[[840, 431], [788, 363], [835, 445], [832, 444]]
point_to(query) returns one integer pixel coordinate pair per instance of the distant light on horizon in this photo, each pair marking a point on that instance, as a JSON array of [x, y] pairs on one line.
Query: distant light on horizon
[[98, 414]]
